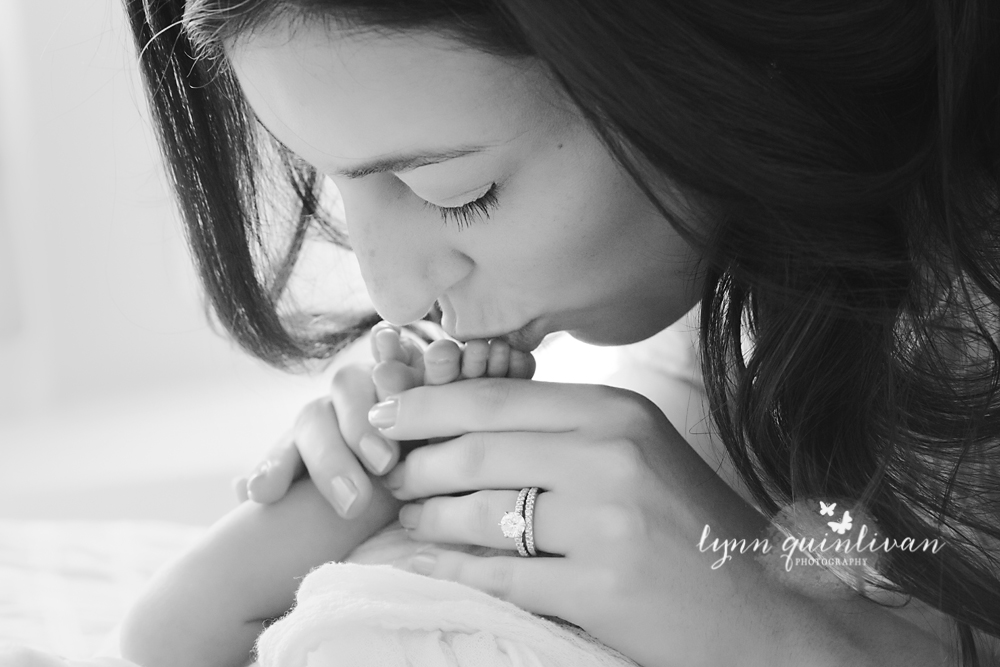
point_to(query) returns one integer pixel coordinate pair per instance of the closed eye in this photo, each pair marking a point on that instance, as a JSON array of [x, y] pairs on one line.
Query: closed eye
[[474, 211]]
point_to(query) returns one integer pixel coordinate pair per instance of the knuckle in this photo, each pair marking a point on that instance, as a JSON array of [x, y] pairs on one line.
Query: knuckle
[[607, 393], [622, 460], [318, 439], [630, 407], [618, 525]]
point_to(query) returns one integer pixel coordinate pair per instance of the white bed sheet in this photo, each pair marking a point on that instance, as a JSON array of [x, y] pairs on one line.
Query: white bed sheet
[[65, 585]]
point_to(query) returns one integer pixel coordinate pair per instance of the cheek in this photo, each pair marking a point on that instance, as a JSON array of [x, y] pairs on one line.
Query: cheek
[[576, 224], [546, 244]]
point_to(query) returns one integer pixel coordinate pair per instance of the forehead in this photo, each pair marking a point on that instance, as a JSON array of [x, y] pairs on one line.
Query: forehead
[[334, 96]]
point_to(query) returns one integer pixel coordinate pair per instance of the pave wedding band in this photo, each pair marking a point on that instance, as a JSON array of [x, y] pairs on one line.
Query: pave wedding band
[[529, 523], [513, 525]]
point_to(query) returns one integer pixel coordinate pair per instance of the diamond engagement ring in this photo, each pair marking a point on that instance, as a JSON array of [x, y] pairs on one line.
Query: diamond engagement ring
[[513, 525]]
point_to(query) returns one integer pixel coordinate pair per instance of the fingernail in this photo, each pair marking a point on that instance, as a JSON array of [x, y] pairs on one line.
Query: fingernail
[[376, 451], [409, 515], [384, 338], [260, 471], [423, 563], [256, 479], [344, 493], [383, 415]]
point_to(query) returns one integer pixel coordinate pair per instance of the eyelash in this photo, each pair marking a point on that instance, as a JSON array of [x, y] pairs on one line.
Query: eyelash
[[465, 215]]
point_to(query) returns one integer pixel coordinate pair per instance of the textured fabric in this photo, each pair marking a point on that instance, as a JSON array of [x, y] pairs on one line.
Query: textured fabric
[[380, 616]]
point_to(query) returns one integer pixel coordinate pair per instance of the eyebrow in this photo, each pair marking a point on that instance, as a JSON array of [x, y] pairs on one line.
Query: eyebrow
[[394, 163], [407, 162]]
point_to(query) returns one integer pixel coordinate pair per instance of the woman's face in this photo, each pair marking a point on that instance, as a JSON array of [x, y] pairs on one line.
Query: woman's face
[[553, 236]]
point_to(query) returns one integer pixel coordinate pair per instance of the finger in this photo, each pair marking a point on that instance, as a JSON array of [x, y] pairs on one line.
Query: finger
[[476, 519], [442, 362], [352, 394], [380, 326], [393, 377], [240, 489], [272, 478], [392, 344], [504, 460], [413, 349], [499, 358], [333, 466], [400, 354], [389, 347], [522, 365], [475, 357], [499, 404], [378, 454], [545, 586]]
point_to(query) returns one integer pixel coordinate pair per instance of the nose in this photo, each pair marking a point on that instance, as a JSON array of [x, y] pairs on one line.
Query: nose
[[406, 265]]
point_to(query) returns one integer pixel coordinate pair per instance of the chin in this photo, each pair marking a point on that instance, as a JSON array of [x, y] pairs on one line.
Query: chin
[[611, 335], [604, 339]]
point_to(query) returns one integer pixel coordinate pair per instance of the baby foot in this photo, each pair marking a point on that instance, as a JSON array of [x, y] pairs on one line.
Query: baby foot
[[445, 361], [402, 365], [399, 361]]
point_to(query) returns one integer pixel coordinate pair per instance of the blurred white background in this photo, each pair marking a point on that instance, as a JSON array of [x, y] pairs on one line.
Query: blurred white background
[[117, 401], [116, 398]]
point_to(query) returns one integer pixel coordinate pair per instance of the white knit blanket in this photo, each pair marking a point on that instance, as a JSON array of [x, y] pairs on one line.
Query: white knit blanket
[[380, 616]]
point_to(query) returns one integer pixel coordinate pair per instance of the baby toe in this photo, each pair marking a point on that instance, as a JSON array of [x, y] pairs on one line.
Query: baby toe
[[389, 346], [522, 365], [499, 358], [442, 362], [474, 358], [392, 377]]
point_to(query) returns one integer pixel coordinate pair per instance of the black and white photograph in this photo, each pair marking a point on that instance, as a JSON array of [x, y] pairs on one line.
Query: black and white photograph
[[499, 333]]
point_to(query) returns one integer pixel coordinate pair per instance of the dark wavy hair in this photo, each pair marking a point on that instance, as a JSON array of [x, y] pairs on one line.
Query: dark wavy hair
[[850, 156]]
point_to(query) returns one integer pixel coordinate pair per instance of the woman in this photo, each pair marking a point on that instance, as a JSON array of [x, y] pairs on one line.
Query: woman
[[825, 176]]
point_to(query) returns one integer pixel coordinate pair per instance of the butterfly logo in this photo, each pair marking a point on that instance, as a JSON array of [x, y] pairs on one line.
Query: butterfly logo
[[826, 509], [842, 526]]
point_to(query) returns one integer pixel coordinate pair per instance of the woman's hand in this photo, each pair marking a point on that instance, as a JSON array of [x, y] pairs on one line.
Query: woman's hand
[[623, 505], [332, 437]]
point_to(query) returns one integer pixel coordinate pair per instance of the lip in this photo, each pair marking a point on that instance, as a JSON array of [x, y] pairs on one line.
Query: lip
[[525, 339]]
